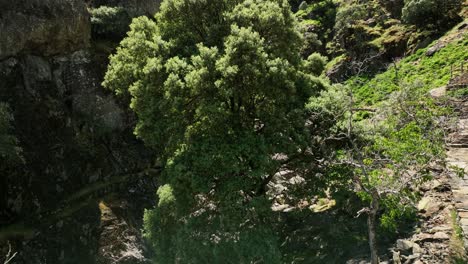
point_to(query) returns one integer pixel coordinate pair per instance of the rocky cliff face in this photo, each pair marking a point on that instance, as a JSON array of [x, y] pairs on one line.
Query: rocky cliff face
[[76, 138], [43, 27]]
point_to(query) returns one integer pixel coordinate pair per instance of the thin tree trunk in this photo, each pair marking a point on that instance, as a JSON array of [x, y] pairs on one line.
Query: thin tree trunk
[[371, 225]]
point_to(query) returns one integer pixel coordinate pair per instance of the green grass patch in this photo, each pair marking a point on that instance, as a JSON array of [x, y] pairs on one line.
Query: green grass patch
[[456, 241], [457, 230], [309, 22], [312, 8], [458, 93], [428, 71]]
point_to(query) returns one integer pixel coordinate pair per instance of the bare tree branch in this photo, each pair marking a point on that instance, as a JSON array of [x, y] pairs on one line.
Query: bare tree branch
[[10, 256]]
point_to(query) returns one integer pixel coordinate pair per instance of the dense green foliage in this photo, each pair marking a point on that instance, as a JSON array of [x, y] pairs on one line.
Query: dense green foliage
[[428, 71], [426, 13], [372, 31], [386, 154], [316, 64], [218, 93], [276, 131], [346, 18], [317, 20], [227, 94], [109, 22]]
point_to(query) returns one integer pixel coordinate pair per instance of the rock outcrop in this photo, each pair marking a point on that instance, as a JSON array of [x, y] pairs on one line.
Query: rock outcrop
[[434, 238], [43, 27], [76, 138]]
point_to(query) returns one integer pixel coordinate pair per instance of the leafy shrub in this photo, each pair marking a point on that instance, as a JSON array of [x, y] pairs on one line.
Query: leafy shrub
[[394, 7], [312, 42], [317, 20], [346, 17], [315, 64], [109, 22], [426, 13]]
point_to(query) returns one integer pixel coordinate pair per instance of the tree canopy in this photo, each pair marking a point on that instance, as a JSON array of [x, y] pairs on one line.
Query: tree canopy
[[219, 89]]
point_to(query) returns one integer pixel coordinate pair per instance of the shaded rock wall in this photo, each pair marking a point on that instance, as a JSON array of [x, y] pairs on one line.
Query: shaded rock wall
[[76, 137], [44, 27]]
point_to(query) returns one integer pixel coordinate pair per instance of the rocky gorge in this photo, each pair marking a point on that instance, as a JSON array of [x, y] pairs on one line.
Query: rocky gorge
[[82, 183]]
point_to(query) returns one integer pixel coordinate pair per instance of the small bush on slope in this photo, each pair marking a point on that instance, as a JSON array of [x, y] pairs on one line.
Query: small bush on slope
[[109, 22], [431, 13]]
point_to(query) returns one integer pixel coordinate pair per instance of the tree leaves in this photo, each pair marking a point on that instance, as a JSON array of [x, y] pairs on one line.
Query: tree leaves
[[218, 89]]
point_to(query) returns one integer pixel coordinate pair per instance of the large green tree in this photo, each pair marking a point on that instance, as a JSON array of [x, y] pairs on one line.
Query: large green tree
[[219, 89]]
